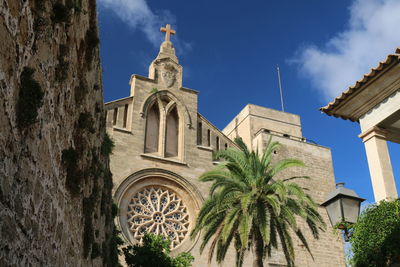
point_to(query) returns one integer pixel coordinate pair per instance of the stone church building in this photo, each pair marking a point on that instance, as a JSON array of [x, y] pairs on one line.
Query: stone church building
[[162, 145]]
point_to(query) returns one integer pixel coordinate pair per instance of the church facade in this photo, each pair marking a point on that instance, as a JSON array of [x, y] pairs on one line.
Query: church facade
[[162, 145]]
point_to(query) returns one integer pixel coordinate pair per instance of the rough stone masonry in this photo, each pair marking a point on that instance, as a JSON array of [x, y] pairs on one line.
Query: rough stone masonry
[[55, 183]]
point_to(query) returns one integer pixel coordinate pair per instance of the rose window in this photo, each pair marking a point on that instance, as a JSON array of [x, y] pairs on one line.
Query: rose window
[[159, 211]]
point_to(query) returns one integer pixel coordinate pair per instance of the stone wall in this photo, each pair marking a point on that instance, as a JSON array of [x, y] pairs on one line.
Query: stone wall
[[55, 183], [328, 249]]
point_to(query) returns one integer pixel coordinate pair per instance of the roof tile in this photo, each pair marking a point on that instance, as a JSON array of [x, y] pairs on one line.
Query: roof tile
[[328, 109]]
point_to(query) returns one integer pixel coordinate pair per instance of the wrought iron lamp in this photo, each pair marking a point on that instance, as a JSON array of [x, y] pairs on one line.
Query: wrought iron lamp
[[343, 207]]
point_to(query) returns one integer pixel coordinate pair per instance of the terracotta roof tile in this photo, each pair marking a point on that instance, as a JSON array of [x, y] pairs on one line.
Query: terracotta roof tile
[[328, 109]]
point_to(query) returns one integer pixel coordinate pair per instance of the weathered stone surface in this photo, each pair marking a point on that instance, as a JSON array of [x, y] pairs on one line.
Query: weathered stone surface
[[49, 76]]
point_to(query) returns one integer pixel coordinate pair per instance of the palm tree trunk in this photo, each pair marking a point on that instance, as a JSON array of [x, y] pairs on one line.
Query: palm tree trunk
[[259, 248]]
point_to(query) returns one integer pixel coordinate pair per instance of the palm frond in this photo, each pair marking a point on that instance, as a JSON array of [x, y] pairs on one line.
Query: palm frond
[[284, 164], [249, 206]]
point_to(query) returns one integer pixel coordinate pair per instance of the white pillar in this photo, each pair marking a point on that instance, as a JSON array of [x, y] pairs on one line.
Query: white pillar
[[379, 164]]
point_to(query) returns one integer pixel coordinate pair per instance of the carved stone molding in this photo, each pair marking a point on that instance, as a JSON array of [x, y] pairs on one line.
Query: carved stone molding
[[160, 202]]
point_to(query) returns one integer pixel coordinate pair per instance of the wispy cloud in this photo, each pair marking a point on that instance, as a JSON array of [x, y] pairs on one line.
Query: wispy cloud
[[373, 32], [138, 15]]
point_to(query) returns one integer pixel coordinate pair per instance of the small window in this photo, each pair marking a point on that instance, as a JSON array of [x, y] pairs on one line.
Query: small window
[[152, 129], [115, 116], [226, 146], [172, 132], [208, 137], [125, 115], [217, 143], [199, 134], [286, 135]]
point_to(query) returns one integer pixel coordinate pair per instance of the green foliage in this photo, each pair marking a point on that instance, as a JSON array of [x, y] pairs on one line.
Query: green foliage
[[30, 99], [155, 252], [110, 249], [88, 209], [343, 225], [61, 13], [183, 259], [249, 206], [106, 198], [114, 210], [116, 241], [153, 90], [74, 177], [107, 145], [376, 236]]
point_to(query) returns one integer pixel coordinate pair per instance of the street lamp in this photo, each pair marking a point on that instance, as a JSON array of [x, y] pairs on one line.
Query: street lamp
[[343, 207]]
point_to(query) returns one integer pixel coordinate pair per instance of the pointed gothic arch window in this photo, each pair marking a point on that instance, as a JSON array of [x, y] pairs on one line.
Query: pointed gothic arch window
[[125, 115], [199, 134], [172, 133], [208, 138], [115, 116], [152, 129]]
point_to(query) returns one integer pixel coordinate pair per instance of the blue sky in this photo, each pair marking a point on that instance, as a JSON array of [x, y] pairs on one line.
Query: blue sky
[[229, 51]]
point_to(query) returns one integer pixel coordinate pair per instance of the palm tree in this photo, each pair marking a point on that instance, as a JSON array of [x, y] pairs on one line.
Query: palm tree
[[249, 206]]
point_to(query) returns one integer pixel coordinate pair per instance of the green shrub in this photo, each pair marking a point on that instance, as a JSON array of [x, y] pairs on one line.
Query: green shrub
[[376, 236], [107, 145], [155, 251]]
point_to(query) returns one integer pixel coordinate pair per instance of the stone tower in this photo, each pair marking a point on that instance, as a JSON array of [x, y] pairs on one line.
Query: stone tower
[[163, 144]]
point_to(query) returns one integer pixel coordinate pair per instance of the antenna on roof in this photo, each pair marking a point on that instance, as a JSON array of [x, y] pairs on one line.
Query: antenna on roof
[[280, 87]]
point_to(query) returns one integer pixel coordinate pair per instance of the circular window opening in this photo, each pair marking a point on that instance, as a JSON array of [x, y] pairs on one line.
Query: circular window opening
[[158, 210], [158, 203]]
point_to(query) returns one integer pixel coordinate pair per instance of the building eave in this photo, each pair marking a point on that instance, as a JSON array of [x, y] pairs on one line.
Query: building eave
[[348, 97]]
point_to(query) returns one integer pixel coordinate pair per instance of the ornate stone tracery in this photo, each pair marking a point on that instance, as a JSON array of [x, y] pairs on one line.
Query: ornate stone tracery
[[160, 211]]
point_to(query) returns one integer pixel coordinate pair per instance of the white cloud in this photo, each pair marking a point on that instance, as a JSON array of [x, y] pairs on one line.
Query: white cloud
[[138, 15], [373, 32]]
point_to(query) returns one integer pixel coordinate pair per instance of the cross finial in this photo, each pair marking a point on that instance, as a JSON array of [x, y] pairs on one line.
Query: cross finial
[[168, 31]]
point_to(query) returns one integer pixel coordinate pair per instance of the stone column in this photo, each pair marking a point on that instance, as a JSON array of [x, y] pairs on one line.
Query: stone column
[[379, 164]]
